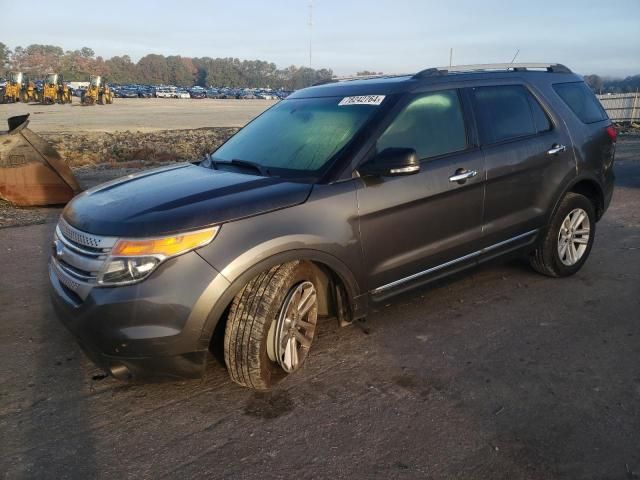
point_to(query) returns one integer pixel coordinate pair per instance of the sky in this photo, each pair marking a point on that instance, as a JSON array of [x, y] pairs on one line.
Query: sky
[[392, 36]]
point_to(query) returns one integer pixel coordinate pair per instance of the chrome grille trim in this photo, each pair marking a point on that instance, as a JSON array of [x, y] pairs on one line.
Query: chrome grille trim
[[76, 273], [64, 279], [73, 272], [77, 249], [81, 289], [83, 238], [78, 258]]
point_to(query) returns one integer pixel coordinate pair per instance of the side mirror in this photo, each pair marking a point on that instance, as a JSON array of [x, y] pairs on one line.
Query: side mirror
[[392, 162]]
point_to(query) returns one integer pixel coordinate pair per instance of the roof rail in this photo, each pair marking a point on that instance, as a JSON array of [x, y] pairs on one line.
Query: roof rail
[[361, 77], [516, 67]]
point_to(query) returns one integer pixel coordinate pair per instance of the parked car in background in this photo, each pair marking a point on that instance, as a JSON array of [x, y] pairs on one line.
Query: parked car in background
[[166, 92], [182, 93], [126, 92], [212, 93], [198, 92], [146, 92]]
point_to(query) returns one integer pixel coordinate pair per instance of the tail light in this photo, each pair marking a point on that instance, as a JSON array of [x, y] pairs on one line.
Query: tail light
[[612, 132]]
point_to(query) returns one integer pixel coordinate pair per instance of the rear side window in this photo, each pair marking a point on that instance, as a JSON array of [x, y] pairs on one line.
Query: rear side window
[[582, 101], [432, 124], [543, 124], [506, 112]]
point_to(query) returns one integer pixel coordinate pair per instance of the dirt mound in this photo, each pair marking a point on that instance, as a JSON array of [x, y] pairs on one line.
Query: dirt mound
[[98, 148]]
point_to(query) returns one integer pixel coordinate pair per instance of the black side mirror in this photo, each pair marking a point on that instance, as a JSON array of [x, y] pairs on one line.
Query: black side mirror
[[392, 162]]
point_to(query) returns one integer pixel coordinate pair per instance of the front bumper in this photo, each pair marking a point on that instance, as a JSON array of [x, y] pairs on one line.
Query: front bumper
[[152, 329]]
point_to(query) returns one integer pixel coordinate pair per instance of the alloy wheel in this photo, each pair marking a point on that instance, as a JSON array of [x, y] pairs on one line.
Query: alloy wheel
[[573, 237], [291, 335]]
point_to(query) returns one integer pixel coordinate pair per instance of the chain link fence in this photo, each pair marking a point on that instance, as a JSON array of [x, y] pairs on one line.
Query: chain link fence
[[622, 107]]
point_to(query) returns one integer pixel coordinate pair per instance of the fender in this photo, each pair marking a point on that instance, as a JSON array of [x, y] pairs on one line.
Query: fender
[[590, 177], [215, 299]]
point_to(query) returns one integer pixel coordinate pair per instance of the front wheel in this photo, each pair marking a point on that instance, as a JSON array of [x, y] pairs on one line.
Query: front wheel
[[567, 241], [271, 325]]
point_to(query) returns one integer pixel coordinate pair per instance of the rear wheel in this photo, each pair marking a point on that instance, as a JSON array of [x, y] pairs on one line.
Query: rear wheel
[[567, 242], [271, 325]]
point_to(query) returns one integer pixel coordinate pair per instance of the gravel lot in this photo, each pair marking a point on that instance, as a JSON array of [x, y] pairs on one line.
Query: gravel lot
[[139, 114], [498, 374]]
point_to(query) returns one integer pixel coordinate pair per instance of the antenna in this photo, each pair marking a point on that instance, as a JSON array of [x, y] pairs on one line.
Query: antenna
[[514, 57], [310, 23]]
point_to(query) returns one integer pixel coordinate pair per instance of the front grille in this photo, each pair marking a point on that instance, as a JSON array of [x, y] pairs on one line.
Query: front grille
[[85, 239], [78, 257]]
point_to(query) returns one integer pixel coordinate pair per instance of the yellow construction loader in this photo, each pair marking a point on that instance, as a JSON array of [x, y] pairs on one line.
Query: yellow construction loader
[[29, 91], [54, 90], [13, 90], [97, 92]]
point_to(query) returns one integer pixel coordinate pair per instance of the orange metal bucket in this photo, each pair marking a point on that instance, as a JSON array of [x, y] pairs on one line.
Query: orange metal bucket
[[31, 171]]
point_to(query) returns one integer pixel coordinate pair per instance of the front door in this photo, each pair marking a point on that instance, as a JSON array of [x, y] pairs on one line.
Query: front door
[[414, 225]]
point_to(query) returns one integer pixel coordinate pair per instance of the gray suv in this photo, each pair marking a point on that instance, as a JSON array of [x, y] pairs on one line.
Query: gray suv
[[331, 201]]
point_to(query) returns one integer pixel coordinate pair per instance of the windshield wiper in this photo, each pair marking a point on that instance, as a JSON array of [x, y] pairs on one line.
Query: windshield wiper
[[256, 166], [213, 163]]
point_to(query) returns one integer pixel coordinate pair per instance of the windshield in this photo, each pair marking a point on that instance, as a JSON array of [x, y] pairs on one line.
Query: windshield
[[297, 135]]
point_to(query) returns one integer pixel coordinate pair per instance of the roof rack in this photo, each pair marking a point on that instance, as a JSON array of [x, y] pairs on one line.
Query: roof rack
[[515, 67], [361, 77]]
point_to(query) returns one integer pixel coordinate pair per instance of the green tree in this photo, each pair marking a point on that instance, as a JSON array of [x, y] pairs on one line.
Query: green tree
[[595, 82], [5, 56], [153, 68], [87, 52], [122, 69]]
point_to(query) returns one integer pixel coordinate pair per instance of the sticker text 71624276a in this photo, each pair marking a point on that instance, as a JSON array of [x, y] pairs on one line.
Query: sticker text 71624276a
[[362, 100]]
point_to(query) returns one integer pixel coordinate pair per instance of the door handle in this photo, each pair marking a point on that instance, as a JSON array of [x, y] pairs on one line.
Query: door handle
[[556, 148], [462, 175]]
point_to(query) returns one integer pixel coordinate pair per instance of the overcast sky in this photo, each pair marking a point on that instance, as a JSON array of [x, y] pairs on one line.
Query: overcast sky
[[392, 36]]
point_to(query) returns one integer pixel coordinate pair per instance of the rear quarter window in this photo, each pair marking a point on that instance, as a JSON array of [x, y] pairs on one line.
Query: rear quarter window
[[581, 100]]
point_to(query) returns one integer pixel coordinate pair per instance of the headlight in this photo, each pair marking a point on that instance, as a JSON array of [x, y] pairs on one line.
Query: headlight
[[134, 259]]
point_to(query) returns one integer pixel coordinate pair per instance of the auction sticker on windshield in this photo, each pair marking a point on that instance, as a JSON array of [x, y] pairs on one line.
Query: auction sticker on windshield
[[362, 100]]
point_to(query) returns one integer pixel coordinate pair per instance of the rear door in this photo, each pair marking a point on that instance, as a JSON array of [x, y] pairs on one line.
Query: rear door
[[528, 154], [412, 224]]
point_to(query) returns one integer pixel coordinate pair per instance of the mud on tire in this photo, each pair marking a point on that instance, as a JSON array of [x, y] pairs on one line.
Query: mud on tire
[[251, 315]]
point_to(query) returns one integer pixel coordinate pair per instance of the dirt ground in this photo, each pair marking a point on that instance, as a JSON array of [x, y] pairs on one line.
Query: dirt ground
[[497, 374], [138, 114]]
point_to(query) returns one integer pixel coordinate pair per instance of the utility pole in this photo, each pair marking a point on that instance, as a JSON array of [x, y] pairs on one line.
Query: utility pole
[[310, 32], [451, 56]]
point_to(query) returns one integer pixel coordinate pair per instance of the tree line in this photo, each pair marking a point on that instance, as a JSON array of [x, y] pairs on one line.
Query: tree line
[[615, 85], [77, 65]]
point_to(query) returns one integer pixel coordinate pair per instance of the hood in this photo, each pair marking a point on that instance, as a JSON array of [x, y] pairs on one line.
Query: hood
[[177, 198]]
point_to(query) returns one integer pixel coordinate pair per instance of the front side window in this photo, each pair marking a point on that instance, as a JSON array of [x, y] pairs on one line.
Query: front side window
[[582, 101], [298, 136], [432, 124]]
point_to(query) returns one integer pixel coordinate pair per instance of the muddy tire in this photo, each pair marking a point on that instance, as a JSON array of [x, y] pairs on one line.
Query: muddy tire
[[254, 316], [565, 247]]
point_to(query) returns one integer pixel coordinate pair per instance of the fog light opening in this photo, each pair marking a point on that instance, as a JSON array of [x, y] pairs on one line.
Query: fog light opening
[[120, 371]]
